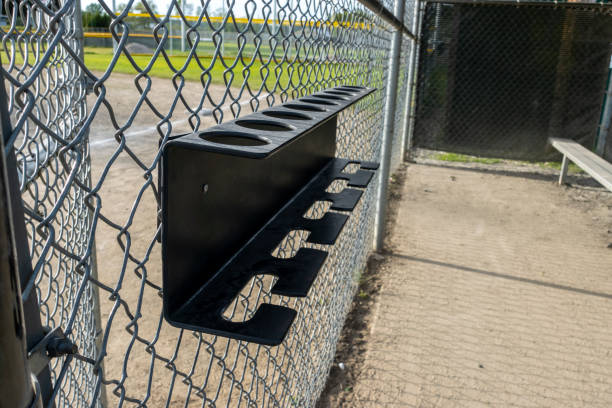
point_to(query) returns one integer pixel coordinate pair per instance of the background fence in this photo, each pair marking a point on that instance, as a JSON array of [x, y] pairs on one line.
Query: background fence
[[87, 123], [499, 78]]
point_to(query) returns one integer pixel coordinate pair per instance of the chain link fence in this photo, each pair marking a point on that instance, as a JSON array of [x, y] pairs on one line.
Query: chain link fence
[[498, 79], [88, 123], [399, 127]]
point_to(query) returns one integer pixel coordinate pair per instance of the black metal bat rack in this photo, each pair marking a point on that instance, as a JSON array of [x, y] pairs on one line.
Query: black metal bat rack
[[231, 193]]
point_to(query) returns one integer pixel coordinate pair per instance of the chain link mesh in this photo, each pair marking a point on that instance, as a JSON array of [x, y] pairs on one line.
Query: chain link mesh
[[401, 114], [499, 80], [88, 123]]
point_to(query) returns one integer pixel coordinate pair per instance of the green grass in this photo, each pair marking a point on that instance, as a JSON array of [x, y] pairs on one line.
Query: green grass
[[572, 168], [255, 72], [463, 158], [98, 59], [230, 49]]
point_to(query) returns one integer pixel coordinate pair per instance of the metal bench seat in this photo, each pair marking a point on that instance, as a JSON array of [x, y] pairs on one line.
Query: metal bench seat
[[598, 168]]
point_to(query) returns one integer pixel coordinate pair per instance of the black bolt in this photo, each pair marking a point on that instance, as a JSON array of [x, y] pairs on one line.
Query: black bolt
[[60, 346]]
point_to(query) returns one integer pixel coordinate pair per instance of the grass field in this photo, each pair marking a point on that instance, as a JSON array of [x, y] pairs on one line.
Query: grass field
[[230, 48], [206, 46], [252, 69], [98, 59], [235, 71], [463, 158]]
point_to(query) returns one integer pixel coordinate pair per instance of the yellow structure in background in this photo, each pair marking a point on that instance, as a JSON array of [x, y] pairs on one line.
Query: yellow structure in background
[[91, 34], [239, 20]]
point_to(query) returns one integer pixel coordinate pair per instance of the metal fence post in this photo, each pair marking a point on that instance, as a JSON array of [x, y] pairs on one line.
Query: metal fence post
[[102, 398], [410, 90], [387, 136], [35, 331], [606, 116], [414, 64], [16, 381]]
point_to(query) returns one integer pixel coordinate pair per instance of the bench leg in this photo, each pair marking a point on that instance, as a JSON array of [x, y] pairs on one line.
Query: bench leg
[[564, 165]]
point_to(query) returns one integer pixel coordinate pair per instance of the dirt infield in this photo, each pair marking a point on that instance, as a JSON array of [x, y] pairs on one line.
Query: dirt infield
[[495, 291], [124, 183]]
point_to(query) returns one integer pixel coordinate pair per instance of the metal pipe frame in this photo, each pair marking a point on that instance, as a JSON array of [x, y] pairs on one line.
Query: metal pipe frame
[[408, 116], [94, 266], [413, 82], [606, 117], [394, 19], [388, 125], [18, 387]]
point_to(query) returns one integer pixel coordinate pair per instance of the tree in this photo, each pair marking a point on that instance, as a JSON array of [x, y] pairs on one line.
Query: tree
[[95, 16], [94, 8]]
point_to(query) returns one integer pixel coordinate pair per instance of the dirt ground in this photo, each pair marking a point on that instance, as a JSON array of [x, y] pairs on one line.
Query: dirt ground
[[498, 268], [128, 201], [353, 343], [494, 290], [229, 373]]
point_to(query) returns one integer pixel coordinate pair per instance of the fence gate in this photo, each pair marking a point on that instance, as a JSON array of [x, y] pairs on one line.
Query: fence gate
[[498, 79]]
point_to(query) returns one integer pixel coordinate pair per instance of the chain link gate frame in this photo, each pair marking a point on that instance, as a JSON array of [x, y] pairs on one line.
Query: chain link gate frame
[[86, 139]]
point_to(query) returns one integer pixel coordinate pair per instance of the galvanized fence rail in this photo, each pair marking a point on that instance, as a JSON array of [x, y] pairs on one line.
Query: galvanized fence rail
[[87, 126]]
